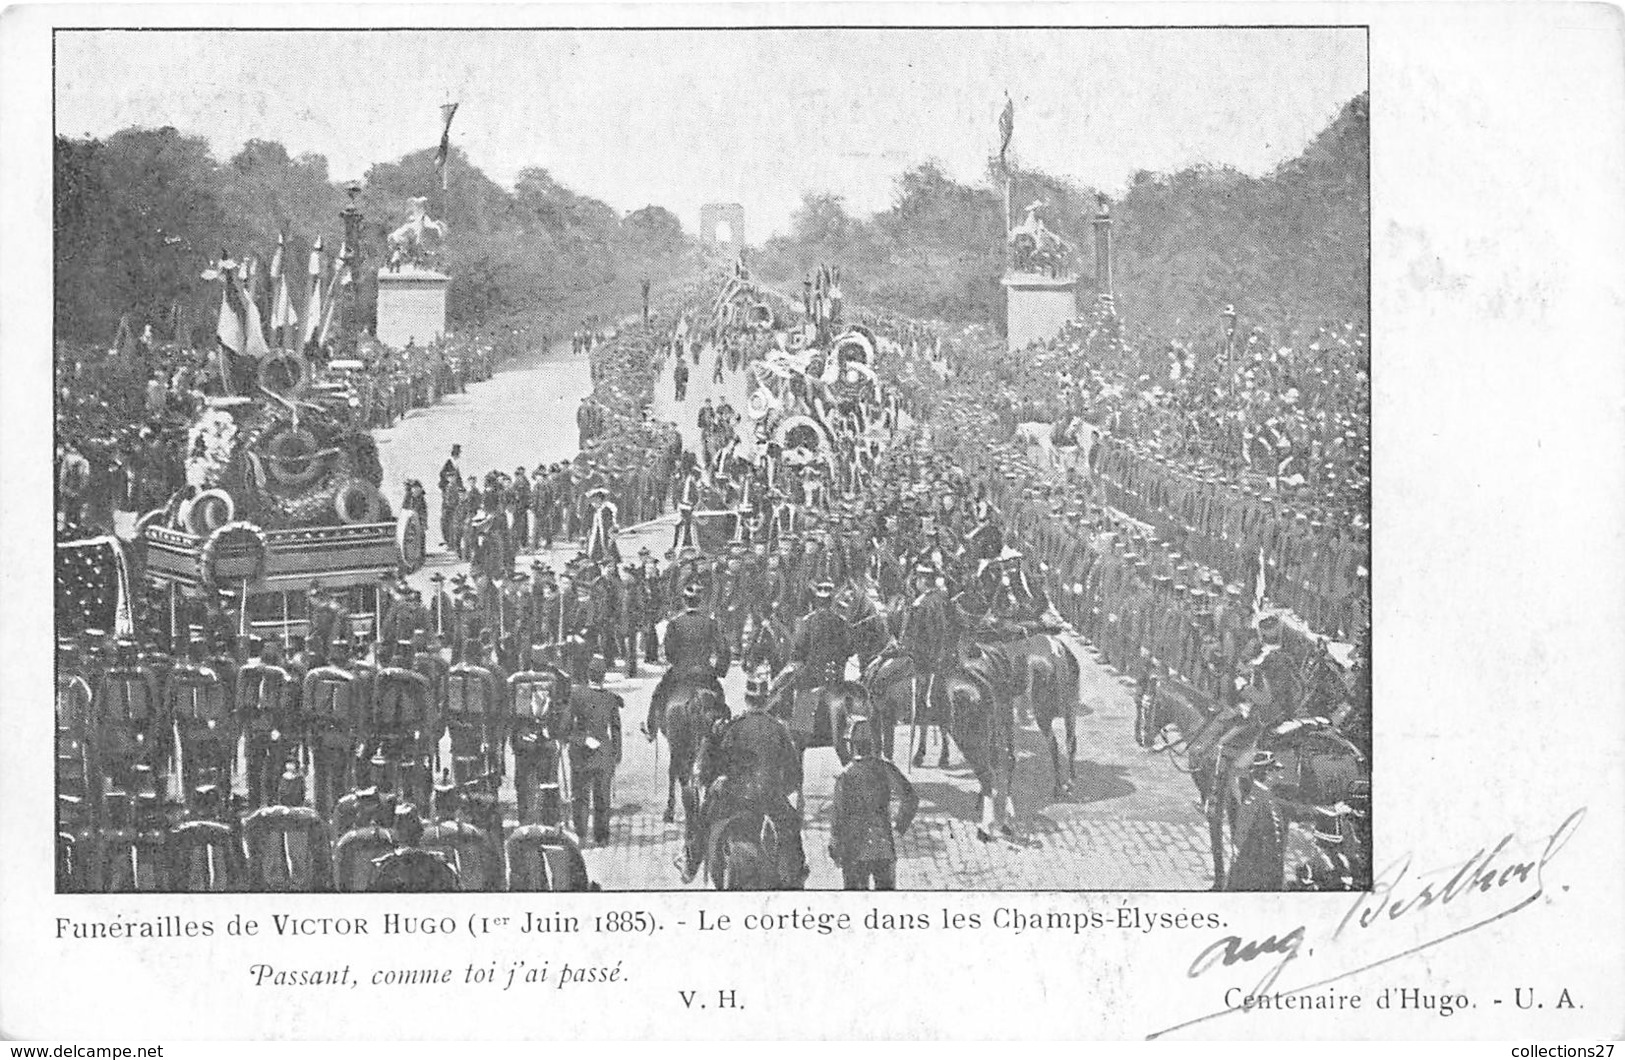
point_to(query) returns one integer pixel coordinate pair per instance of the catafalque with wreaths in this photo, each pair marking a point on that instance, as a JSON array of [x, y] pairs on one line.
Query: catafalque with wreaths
[[283, 490]]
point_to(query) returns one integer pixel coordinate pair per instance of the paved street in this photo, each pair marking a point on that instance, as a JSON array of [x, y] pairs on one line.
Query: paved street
[[1130, 822]]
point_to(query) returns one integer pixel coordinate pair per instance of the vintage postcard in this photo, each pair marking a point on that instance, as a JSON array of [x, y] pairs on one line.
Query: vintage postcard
[[1133, 491]]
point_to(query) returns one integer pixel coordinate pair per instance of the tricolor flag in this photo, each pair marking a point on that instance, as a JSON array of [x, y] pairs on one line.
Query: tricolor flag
[[284, 318], [313, 309], [443, 155]]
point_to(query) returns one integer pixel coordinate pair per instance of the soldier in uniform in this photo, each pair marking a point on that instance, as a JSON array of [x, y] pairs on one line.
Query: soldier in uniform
[[820, 645], [403, 712], [860, 834], [288, 844], [197, 698], [637, 615], [928, 639], [655, 605], [595, 749], [696, 651], [333, 701], [606, 619], [266, 706], [753, 764], [539, 695], [472, 707], [130, 726]]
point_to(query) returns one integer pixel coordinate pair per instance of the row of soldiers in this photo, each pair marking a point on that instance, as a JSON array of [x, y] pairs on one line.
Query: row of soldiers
[[136, 727], [1318, 567], [561, 501], [1151, 610], [411, 379]]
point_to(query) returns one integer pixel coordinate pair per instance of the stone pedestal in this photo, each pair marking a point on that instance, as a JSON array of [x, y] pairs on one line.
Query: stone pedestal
[[411, 306], [1037, 306]]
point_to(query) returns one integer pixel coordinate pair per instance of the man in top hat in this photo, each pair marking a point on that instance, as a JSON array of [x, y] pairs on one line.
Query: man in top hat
[[861, 826], [451, 489]]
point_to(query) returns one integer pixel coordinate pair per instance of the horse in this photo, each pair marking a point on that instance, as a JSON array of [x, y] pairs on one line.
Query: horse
[[1303, 771], [1050, 681], [972, 700], [690, 714], [868, 624], [817, 716]]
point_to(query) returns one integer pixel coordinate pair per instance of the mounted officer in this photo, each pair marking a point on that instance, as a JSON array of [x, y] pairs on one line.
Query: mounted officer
[[752, 765], [929, 639], [819, 649], [697, 653]]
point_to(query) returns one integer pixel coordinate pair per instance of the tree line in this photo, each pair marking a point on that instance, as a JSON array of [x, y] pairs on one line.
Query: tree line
[[140, 214], [1291, 247]]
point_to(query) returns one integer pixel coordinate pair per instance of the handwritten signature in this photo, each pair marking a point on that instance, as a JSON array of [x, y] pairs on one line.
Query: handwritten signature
[[1394, 896]]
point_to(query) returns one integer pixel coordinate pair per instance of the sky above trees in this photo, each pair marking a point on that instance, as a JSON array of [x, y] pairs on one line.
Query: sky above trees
[[761, 117]]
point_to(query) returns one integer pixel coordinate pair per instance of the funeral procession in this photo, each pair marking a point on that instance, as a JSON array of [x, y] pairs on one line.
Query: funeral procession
[[997, 517]]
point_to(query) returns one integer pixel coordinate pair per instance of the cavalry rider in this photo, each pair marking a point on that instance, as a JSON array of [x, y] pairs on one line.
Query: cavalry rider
[[1269, 692], [929, 638], [753, 764], [820, 645], [697, 651]]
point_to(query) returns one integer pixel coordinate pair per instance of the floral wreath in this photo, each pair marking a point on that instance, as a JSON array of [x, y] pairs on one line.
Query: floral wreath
[[210, 554]]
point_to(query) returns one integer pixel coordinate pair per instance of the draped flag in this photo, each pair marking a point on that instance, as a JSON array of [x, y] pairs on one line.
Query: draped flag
[[1007, 128], [284, 318], [313, 309], [93, 586], [253, 330], [443, 155], [341, 277]]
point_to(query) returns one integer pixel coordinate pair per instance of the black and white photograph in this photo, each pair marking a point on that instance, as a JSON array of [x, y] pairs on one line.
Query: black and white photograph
[[465, 501], [886, 522]]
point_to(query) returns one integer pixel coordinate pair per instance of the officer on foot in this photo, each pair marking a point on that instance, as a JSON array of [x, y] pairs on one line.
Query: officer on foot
[[861, 827]]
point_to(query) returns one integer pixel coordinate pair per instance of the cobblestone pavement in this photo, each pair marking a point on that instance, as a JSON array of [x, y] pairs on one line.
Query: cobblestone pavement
[[1130, 822]]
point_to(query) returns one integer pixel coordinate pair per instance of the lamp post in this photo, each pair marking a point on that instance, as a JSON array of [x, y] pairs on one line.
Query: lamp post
[[1103, 247], [351, 216]]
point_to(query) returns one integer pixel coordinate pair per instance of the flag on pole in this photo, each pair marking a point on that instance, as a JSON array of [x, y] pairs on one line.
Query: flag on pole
[[229, 329], [341, 277], [1007, 128], [253, 329], [313, 308], [443, 155], [284, 318]]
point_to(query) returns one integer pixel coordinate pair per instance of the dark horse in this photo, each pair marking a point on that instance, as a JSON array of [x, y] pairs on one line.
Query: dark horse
[[691, 713], [818, 716], [971, 700], [1050, 679], [1303, 771]]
